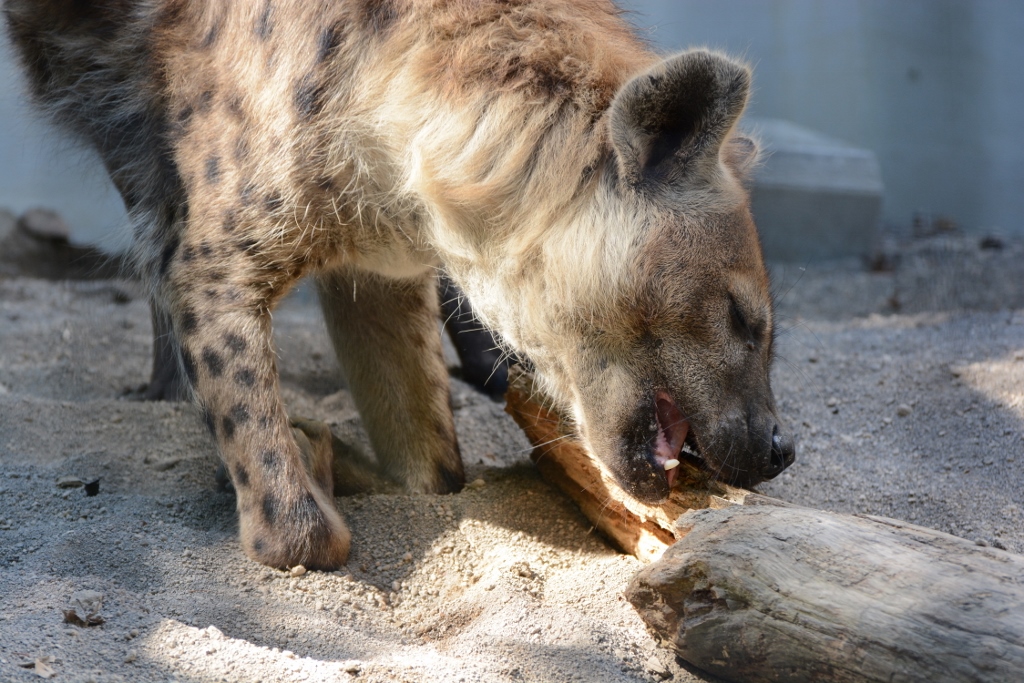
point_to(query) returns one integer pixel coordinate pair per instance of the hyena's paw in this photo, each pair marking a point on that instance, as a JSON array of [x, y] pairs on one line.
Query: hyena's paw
[[295, 526], [325, 455]]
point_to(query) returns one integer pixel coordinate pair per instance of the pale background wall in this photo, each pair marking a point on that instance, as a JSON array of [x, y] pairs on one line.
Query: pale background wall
[[934, 87], [39, 168]]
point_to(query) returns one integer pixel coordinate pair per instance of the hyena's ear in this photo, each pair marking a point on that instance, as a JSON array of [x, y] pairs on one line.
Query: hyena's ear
[[669, 122]]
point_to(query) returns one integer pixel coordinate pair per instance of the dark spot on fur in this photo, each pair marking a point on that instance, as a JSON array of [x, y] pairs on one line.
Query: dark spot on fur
[[212, 170], [211, 36], [167, 254], [235, 107], [188, 364], [188, 253], [213, 362], [210, 293], [235, 343], [205, 101], [206, 250], [257, 546], [241, 476], [183, 118], [240, 414], [189, 321], [247, 245], [247, 194], [245, 377], [271, 508], [265, 23], [271, 460], [228, 427], [265, 420], [328, 41], [309, 96], [230, 221], [379, 14], [307, 513], [272, 201], [325, 183]]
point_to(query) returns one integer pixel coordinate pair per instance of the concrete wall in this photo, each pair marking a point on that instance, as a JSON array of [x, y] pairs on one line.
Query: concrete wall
[[934, 87]]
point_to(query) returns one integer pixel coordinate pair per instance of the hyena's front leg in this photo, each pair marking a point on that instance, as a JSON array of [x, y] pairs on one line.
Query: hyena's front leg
[[385, 332], [286, 509]]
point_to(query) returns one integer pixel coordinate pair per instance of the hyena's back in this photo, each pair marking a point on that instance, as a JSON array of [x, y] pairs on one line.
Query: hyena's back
[[254, 142]]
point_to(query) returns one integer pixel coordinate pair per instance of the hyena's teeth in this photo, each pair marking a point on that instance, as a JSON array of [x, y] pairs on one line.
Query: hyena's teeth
[[671, 464]]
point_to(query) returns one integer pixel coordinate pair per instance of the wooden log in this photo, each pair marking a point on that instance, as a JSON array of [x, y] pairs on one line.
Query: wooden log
[[793, 594], [636, 528]]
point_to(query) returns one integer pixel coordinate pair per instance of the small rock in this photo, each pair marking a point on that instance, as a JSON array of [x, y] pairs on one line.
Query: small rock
[[353, 666], [832, 402], [903, 410], [476, 484], [131, 657], [44, 224], [186, 553], [85, 609], [42, 667], [656, 667], [167, 464], [297, 571], [69, 483]]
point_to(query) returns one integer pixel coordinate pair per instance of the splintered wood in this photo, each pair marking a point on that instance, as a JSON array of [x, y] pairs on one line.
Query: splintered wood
[[641, 530]]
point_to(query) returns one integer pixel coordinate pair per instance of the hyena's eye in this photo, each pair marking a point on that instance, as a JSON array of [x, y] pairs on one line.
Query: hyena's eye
[[751, 332]]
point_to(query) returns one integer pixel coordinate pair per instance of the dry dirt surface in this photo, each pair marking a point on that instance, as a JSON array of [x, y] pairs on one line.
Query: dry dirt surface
[[905, 388]]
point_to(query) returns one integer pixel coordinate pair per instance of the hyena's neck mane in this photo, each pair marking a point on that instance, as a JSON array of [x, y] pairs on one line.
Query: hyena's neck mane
[[510, 133]]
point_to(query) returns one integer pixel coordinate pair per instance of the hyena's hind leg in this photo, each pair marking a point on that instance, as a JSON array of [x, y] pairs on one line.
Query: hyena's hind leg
[[165, 380], [484, 364], [216, 288], [386, 335]]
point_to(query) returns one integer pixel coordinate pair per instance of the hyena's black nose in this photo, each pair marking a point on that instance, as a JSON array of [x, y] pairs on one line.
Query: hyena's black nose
[[782, 456]]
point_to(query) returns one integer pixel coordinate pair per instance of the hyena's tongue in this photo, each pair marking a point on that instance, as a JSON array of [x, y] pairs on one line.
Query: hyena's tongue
[[672, 431]]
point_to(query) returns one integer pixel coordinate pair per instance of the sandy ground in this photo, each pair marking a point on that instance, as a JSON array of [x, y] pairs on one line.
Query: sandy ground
[[906, 390]]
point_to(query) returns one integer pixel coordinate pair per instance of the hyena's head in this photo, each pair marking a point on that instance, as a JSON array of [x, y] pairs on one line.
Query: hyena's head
[[656, 326]]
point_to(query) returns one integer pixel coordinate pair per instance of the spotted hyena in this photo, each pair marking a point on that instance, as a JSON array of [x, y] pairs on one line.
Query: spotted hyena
[[585, 194]]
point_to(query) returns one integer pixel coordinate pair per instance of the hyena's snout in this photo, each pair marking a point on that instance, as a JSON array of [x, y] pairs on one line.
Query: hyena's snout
[[741, 447], [747, 447]]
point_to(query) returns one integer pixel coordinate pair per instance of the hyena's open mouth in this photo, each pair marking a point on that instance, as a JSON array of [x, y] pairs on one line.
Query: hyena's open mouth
[[675, 440]]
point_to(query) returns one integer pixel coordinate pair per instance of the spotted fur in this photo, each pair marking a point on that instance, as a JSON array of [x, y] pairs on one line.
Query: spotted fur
[[584, 193]]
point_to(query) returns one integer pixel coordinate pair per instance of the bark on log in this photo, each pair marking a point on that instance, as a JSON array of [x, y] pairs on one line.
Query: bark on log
[[636, 528], [794, 594]]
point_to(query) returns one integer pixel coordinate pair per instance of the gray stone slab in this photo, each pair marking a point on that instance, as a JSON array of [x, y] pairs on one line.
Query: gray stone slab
[[813, 197]]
